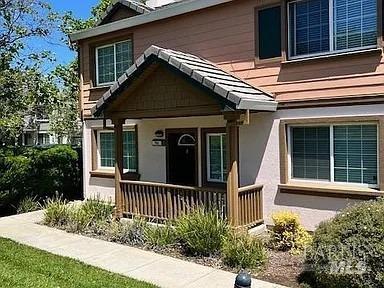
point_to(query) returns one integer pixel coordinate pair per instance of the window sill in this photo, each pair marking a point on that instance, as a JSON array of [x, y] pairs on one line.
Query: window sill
[[134, 176], [365, 52], [101, 87], [102, 174], [266, 61], [326, 190]]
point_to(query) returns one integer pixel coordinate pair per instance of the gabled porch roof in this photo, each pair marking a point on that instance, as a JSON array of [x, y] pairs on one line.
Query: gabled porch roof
[[235, 93]]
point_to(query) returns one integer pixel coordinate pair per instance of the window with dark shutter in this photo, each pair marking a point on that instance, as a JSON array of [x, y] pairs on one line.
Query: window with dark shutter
[[269, 32]]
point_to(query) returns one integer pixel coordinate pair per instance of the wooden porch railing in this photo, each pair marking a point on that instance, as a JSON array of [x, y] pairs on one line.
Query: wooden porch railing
[[250, 205], [166, 201]]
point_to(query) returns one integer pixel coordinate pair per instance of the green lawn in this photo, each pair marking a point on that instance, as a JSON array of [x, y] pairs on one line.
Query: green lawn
[[25, 267]]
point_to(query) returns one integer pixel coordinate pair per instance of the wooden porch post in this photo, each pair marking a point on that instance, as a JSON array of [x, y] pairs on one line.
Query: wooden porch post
[[232, 133], [118, 129]]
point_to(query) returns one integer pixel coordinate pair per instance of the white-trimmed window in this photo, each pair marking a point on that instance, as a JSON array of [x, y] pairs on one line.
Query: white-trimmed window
[[342, 153], [28, 139], [216, 157], [43, 139], [106, 150], [112, 61], [319, 27]]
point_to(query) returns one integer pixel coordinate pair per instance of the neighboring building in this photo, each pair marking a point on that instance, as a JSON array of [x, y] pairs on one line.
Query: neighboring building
[[260, 106], [39, 135]]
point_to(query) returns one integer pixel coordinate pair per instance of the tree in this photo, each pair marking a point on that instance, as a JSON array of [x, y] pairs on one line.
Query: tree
[[64, 112], [24, 89], [71, 24], [21, 20]]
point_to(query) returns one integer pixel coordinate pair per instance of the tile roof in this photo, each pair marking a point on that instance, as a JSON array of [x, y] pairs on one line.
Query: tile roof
[[162, 12], [137, 6], [239, 94]]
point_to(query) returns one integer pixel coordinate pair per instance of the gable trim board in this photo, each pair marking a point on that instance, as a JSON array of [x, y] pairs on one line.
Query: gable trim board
[[158, 14], [236, 93]]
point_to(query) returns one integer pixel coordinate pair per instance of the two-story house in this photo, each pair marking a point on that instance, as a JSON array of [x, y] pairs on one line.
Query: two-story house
[[36, 132], [248, 106]]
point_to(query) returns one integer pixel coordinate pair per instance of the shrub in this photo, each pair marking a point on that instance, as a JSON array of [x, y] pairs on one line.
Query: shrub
[[97, 210], [348, 251], [287, 233], [36, 172], [241, 250], [14, 182], [160, 236], [56, 171], [201, 232], [76, 217], [127, 232], [28, 204], [57, 212]]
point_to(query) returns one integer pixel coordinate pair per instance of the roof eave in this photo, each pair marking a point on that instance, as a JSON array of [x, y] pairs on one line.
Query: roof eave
[[171, 11], [253, 105]]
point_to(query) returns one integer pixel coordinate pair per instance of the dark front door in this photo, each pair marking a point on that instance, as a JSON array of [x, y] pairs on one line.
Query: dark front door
[[181, 156]]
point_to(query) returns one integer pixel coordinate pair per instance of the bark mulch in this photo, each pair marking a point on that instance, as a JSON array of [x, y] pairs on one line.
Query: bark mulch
[[282, 268]]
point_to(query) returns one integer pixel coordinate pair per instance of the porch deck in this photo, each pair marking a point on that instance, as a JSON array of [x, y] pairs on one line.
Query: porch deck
[[160, 201]]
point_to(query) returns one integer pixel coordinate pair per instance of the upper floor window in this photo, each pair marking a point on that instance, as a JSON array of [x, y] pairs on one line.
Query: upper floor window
[[329, 26], [112, 61]]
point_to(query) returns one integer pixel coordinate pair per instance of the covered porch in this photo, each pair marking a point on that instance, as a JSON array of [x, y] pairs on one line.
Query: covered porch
[[166, 84]]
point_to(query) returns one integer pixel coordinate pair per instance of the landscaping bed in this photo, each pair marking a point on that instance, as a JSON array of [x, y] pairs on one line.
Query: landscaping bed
[[346, 251], [282, 268], [200, 237], [22, 266]]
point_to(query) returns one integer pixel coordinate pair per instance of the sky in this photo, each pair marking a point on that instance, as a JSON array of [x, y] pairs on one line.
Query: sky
[[81, 9]]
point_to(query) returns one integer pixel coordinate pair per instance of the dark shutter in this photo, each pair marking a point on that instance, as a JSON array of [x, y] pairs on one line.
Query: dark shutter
[[269, 32]]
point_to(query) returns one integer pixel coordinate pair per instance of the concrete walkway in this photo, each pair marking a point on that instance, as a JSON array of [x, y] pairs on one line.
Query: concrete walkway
[[158, 269]]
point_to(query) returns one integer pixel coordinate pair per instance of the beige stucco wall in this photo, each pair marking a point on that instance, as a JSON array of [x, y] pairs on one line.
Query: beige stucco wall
[[260, 163], [152, 160], [259, 158]]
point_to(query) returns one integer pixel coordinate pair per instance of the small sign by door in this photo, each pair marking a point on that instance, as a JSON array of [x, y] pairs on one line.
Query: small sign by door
[[158, 142]]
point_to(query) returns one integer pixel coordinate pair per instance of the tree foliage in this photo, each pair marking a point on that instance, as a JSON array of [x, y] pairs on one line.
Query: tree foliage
[[24, 94], [28, 93], [67, 75], [24, 89], [72, 24], [64, 113], [21, 20]]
